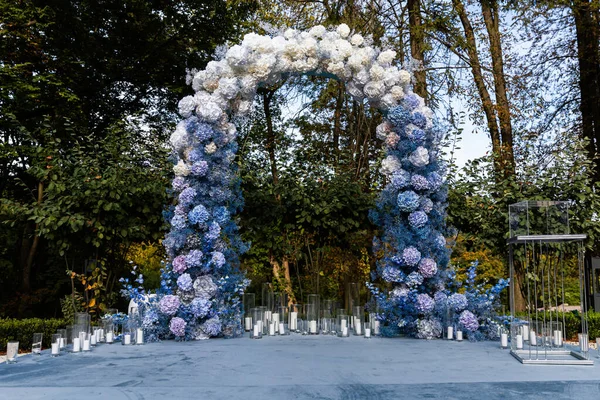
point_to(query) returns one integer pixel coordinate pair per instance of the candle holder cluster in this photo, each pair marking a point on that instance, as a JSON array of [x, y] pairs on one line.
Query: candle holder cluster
[[541, 248]]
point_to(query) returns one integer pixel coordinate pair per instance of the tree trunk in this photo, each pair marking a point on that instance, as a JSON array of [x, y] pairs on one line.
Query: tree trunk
[[586, 28], [489, 9], [484, 95], [337, 120], [417, 45], [270, 145], [26, 283]]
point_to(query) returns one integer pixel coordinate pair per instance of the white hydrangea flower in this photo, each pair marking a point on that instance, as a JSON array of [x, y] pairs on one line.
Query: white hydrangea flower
[[386, 57], [377, 72], [404, 77], [355, 62], [419, 157], [336, 68], [357, 40], [181, 169], [391, 76], [374, 89], [343, 30], [397, 92], [290, 34], [179, 137], [362, 77], [209, 111], [344, 48], [242, 107], [389, 165], [228, 88], [248, 85], [389, 101], [187, 105], [198, 80], [317, 31], [383, 130], [210, 148], [237, 56], [308, 47], [211, 84]]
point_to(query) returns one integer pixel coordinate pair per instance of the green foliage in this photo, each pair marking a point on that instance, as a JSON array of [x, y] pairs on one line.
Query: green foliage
[[23, 330]]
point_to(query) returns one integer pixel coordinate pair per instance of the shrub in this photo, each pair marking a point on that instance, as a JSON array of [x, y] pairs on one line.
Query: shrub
[[23, 330]]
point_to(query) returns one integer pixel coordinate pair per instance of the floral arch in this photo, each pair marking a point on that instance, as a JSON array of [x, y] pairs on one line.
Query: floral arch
[[202, 282]]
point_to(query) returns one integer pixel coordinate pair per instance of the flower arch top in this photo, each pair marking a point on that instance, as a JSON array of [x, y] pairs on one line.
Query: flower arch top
[[202, 282]]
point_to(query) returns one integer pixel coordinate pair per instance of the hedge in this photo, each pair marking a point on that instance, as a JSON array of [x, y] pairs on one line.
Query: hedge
[[573, 323], [23, 330]]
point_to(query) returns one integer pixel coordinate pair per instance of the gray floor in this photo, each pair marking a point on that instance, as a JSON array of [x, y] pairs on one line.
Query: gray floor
[[295, 367]]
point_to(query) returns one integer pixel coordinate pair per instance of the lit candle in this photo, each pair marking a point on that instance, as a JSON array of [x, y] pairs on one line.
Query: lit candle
[[281, 328], [86, 345], [139, 337], [504, 340], [313, 326], [450, 333], [376, 327], [367, 332], [519, 342], [532, 338], [293, 320], [459, 336], [93, 339], [127, 339], [55, 349], [109, 337], [76, 345], [248, 323], [255, 331]]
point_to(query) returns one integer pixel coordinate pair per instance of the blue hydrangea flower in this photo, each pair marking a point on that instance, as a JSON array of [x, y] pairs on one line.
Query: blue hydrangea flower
[[400, 179], [178, 222], [410, 102], [408, 201], [199, 168], [194, 258], [179, 183], [169, 304], [411, 256], [414, 279], [418, 219], [419, 182], [391, 274], [427, 267], [218, 259], [212, 327], [457, 302], [186, 197], [468, 321], [399, 117], [204, 132], [424, 303], [214, 230], [221, 215], [177, 326], [199, 215], [419, 120], [200, 307], [195, 155], [184, 282]]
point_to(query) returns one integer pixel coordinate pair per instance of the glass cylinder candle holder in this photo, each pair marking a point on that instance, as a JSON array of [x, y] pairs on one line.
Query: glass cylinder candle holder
[[267, 296], [283, 320], [83, 321], [598, 346], [76, 338], [367, 330], [12, 350], [63, 338], [375, 324], [36, 344], [343, 327], [69, 337], [303, 321], [55, 344], [459, 334], [249, 301], [556, 329], [293, 316], [109, 330], [257, 327], [313, 312], [503, 338], [265, 318], [516, 337], [583, 344], [358, 317]]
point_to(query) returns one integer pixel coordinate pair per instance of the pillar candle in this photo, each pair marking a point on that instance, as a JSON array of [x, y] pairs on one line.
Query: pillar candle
[[260, 326], [532, 338], [526, 332], [62, 343], [293, 320], [93, 339], [450, 333], [459, 336], [345, 331], [101, 335], [313, 326], [281, 328], [344, 324], [268, 315], [76, 345], [86, 345], [255, 331], [519, 342], [248, 323], [55, 349], [139, 337], [555, 338], [367, 332], [127, 339], [504, 340], [357, 327], [271, 329], [376, 327], [109, 337]]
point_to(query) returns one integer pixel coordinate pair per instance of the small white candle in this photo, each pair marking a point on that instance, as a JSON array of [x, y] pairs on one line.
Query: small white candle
[[376, 327], [93, 339], [532, 338], [248, 323], [255, 331], [583, 343], [345, 331], [555, 338], [526, 332], [109, 337], [343, 324], [55, 349], [459, 336], [293, 320], [519, 342], [260, 326], [101, 338], [450, 333], [560, 338], [76, 345], [504, 340], [367, 332], [268, 315], [127, 339], [357, 327], [313, 326], [281, 328], [62, 342], [275, 317], [86, 345], [139, 337]]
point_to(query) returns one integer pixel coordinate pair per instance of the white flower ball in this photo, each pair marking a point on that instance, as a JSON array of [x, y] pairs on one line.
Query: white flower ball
[[355, 62], [389, 165], [336, 68], [198, 80], [392, 76], [374, 89], [248, 85], [362, 77], [386, 57], [308, 47], [237, 56], [419, 157], [389, 101], [344, 48], [228, 88], [397, 92], [357, 40], [383, 130], [209, 111], [210, 148], [343, 30], [179, 138], [404, 77], [242, 107], [317, 31], [181, 169], [187, 105], [290, 34], [377, 72]]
